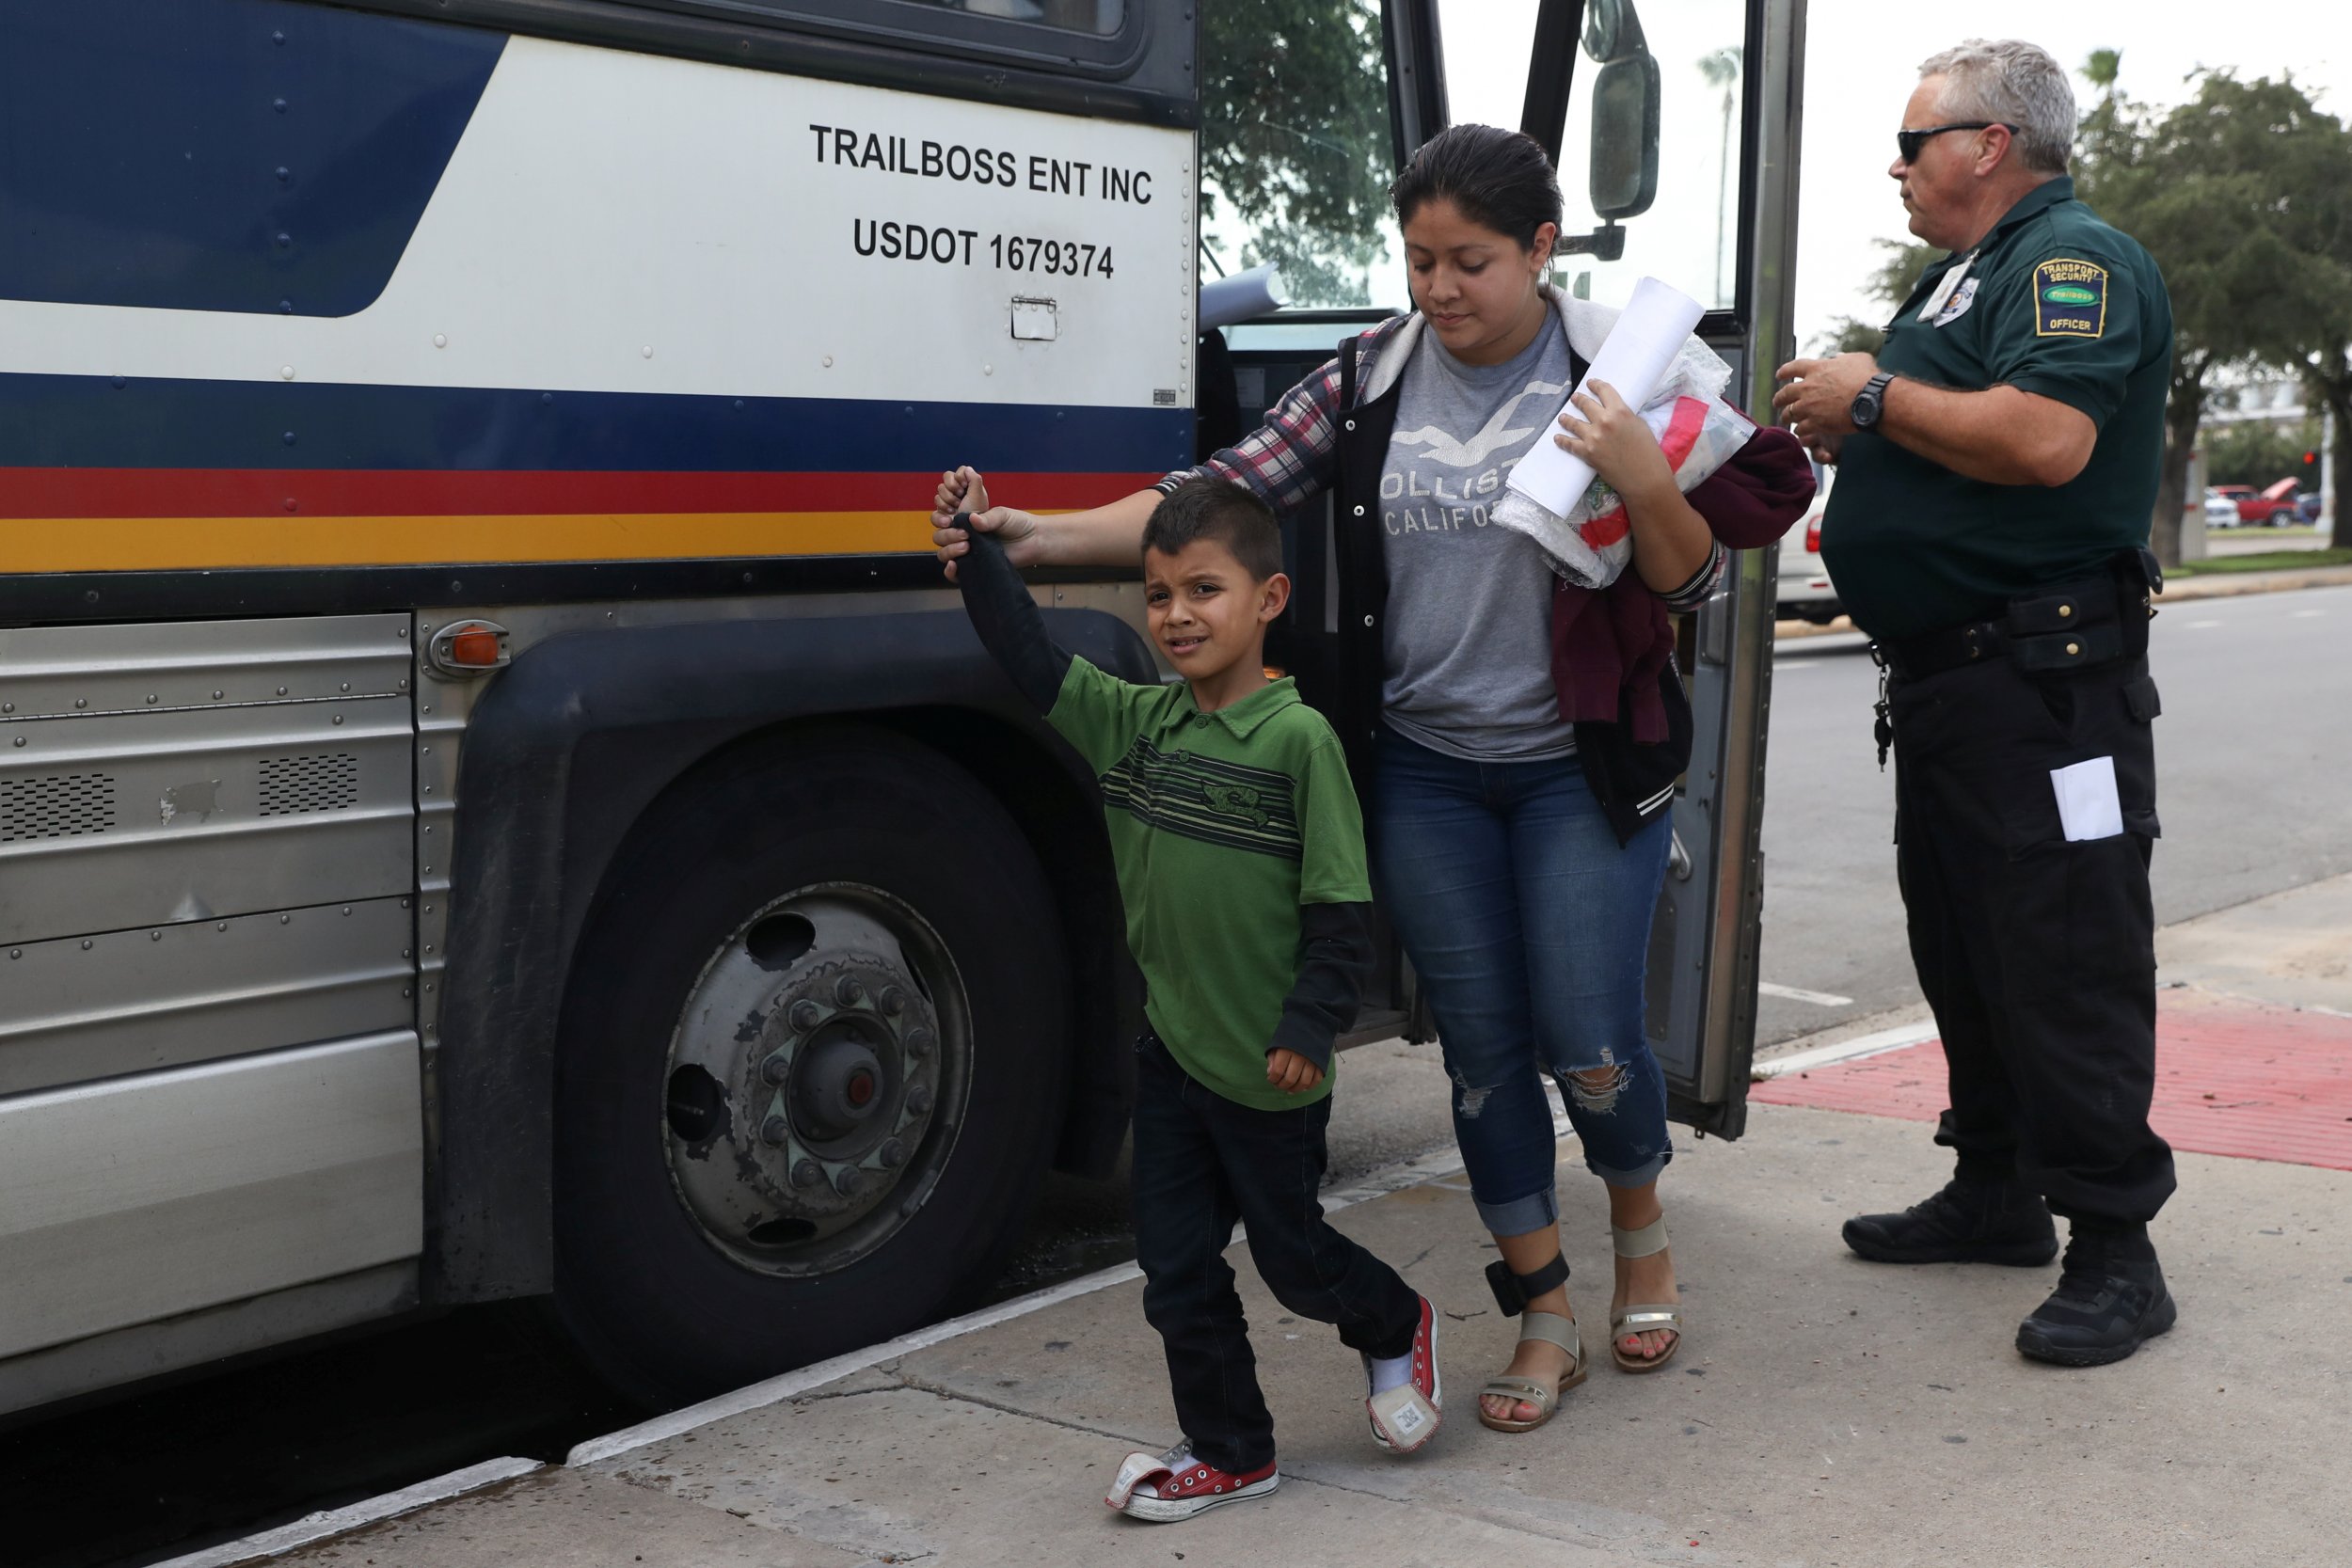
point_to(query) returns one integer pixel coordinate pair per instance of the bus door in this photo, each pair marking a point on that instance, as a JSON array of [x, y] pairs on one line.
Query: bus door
[[1677, 154]]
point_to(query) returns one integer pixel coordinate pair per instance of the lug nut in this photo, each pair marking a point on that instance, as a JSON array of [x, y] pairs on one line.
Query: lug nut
[[919, 1042], [847, 1181], [805, 1016], [894, 1154], [775, 1069], [894, 1001], [847, 992], [919, 1098], [807, 1174], [774, 1131]]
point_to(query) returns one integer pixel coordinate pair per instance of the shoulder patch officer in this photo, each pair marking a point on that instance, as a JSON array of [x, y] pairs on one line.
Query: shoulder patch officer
[[2069, 299]]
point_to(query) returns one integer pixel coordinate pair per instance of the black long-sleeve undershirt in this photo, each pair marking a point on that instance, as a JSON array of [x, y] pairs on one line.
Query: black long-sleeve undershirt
[[1334, 940], [1007, 621], [1334, 959]]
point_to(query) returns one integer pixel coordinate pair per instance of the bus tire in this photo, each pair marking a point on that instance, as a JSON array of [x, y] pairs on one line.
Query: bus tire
[[812, 1065]]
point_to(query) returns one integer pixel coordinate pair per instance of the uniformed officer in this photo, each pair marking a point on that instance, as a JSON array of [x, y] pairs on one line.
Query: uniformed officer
[[1997, 471]]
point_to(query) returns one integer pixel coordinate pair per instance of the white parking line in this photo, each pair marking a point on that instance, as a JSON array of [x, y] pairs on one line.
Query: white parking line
[[2304, 615], [1878, 1044], [1794, 663], [1818, 998], [2194, 624]]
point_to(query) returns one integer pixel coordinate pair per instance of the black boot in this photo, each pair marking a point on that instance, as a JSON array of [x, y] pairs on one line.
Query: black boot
[[2109, 1301], [1968, 1222]]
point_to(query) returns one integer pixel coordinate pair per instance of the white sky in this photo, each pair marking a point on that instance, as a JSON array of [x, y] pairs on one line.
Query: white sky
[[1861, 64], [1862, 61]]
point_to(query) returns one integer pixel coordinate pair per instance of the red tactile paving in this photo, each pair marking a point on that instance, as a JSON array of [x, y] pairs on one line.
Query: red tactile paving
[[2232, 1078]]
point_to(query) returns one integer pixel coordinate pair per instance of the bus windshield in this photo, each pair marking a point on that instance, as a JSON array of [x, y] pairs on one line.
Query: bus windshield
[[1297, 149]]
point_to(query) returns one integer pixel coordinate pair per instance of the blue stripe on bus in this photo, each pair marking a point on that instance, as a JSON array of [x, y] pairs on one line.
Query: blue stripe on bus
[[52, 422], [246, 155]]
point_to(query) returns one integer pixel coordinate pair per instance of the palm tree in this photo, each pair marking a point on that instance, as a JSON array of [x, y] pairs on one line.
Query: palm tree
[[1721, 69]]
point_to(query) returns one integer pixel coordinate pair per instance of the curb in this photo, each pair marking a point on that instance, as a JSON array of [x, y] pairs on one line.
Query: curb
[[2220, 585], [318, 1527]]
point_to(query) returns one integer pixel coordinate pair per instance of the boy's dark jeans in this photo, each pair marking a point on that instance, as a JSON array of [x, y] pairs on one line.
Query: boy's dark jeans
[[1202, 1163]]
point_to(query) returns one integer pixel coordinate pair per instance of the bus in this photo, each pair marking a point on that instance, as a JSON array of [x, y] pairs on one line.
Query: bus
[[496, 799]]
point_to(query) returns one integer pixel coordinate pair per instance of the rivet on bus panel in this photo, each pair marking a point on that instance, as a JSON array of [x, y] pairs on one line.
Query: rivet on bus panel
[[285, 372], [646, 351], [440, 340]]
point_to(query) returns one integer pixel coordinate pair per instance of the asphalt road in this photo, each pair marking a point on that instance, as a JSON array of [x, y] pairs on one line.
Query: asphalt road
[[2253, 784]]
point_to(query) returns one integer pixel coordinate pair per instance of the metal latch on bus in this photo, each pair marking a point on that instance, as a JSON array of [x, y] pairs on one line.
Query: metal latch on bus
[[467, 648], [1035, 321]]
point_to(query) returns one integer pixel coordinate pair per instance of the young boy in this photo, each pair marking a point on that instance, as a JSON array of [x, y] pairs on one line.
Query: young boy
[[1240, 856]]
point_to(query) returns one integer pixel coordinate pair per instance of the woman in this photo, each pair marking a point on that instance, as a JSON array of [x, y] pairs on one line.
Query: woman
[[1516, 739]]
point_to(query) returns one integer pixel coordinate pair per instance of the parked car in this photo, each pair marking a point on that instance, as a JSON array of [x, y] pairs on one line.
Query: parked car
[[2274, 506], [2307, 506], [2220, 510], [1804, 591]]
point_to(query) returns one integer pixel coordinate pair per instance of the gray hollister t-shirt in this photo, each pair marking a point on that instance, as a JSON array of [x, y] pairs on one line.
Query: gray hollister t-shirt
[[1469, 641]]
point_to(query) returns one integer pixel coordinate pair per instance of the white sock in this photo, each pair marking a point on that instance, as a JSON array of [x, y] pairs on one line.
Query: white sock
[[1396, 1372]]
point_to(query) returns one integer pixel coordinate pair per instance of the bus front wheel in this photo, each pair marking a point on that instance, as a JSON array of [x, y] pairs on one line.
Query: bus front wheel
[[812, 1065]]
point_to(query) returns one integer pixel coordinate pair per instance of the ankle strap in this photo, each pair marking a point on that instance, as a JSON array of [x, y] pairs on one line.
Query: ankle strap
[[1513, 1292], [1640, 1243]]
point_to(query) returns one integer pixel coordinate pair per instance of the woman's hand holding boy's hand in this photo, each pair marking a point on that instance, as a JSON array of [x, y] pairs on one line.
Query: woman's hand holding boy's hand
[[1613, 438], [1291, 1072], [963, 490]]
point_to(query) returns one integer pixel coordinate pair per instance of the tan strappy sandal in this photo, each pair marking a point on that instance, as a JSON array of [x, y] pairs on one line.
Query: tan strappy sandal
[[1648, 1316], [1512, 1293], [1552, 1329]]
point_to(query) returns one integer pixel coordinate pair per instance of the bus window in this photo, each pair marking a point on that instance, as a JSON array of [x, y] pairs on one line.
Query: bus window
[[1100, 17], [1297, 150], [1687, 233], [1486, 47]]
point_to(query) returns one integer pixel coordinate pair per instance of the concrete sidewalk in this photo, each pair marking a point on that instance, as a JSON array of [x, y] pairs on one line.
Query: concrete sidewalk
[[1824, 1412]]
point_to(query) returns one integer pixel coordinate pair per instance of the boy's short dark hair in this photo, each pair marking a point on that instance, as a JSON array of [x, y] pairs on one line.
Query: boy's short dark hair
[[1217, 509]]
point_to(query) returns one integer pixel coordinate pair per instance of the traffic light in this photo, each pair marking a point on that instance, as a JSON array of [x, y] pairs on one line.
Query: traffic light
[[2310, 461]]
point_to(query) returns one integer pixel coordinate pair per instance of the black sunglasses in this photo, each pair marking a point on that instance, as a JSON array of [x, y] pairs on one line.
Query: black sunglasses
[[1908, 143]]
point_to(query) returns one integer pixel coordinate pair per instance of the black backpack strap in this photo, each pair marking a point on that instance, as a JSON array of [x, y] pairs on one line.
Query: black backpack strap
[[1347, 372]]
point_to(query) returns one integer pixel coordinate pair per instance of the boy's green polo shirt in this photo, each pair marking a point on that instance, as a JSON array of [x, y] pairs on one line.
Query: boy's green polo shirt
[[2053, 302], [1221, 825]]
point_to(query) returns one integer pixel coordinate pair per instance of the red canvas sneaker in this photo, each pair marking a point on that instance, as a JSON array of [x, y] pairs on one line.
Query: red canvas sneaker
[[1406, 1417], [1164, 1488]]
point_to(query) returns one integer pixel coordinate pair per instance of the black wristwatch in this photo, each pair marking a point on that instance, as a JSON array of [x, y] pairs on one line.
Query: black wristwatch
[[1869, 403]]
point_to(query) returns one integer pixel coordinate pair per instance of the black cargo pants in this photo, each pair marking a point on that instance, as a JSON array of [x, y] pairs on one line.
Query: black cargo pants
[[2037, 954]]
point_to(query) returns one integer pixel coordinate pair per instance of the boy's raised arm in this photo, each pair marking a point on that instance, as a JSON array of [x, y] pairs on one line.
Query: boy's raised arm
[[1334, 958], [1007, 621]]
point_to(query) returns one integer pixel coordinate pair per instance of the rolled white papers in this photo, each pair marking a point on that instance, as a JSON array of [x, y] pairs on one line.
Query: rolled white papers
[[1639, 351]]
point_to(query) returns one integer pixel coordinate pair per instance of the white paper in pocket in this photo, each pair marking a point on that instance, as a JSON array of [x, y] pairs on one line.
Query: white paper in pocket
[[2087, 802]]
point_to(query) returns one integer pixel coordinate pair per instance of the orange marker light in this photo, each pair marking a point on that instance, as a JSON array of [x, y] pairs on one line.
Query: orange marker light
[[477, 647]]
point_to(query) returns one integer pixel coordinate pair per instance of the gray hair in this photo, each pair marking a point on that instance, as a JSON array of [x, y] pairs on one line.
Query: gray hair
[[2016, 84]]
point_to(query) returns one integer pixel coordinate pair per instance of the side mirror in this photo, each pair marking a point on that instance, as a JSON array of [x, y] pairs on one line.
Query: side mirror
[[1624, 179]]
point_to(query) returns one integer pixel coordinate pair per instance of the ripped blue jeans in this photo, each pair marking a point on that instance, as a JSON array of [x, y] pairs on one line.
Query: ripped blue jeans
[[1530, 929]]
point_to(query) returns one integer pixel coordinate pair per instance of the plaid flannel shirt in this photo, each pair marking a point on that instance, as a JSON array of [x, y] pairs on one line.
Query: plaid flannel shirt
[[1293, 456]]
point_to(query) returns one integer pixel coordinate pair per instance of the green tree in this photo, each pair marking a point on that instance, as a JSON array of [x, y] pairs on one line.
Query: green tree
[[1721, 69], [1295, 141], [2223, 191], [1891, 282], [2258, 451]]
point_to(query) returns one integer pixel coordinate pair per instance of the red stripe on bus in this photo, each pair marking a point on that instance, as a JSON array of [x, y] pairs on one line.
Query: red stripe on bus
[[411, 493]]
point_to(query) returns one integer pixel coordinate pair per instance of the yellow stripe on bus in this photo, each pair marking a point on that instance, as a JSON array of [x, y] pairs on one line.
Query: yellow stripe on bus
[[174, 544]]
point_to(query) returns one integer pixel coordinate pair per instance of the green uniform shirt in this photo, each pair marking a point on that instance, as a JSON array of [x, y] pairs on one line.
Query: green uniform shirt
[[1221, 825], [2053, 302]]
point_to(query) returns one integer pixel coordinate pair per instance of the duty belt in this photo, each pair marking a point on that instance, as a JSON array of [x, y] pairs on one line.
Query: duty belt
[[2073, 626]]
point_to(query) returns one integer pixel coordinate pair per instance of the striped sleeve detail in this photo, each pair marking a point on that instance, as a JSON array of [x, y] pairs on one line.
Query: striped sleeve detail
[[1693, 593]]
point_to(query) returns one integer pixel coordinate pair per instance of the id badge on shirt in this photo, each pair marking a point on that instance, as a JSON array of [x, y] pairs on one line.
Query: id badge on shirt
[[1943, 288]]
